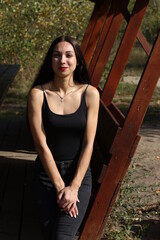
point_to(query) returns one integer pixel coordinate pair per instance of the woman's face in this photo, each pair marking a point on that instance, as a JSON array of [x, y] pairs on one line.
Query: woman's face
[[64, 59]]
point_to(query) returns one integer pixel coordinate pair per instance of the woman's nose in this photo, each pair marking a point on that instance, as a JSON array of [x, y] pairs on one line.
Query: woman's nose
[[63, 59]]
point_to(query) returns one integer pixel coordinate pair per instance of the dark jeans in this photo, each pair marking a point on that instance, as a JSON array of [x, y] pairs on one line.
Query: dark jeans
[[55, 224]]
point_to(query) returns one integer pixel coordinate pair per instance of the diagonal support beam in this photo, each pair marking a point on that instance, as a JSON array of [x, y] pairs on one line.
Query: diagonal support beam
[[122, 148], [124, 51]]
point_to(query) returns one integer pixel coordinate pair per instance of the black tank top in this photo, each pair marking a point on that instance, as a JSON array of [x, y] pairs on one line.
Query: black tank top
[[64, 133]]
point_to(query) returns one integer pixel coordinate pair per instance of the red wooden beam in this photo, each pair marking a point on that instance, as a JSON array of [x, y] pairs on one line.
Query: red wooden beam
[[122, 149], [141, 38], [100, 14], [103, 49], [89, 29], [124, 51], [143, 41]]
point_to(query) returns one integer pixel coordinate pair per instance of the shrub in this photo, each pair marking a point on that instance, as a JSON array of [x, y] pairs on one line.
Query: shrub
[[28, 28]]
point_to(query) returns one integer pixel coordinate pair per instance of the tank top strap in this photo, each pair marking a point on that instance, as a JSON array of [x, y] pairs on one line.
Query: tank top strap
[[86, 88], [44, 93], [42, 88], [84, 93], [44, 99], [83, 100]]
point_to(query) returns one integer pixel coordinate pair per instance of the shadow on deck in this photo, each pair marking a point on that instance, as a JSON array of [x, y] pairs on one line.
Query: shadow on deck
[[18, 219]]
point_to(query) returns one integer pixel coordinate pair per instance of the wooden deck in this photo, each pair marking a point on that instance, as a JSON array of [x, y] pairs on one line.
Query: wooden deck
[[18, 219], [7, 74]]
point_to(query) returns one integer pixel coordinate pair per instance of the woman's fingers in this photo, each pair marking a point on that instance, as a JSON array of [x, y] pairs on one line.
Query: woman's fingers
[[71, 209], [67, 208], [67, 201], [73, 212]]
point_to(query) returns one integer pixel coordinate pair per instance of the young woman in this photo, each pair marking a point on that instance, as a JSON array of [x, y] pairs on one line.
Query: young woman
[[63, 112]]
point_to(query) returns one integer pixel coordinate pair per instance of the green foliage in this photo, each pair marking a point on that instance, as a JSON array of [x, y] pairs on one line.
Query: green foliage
[[151, 23], [27, 28]]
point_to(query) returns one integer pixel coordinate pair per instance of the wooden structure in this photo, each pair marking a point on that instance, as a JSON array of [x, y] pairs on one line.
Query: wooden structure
[[117, 136], [7, 74]]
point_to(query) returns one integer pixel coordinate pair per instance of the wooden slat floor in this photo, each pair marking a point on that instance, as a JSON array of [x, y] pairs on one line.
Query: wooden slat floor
[[18, 219]]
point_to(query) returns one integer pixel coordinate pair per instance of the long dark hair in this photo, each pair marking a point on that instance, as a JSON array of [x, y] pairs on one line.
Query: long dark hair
[[46, 72]]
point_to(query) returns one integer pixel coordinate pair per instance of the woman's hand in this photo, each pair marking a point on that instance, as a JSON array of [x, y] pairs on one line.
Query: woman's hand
[[67, 200]]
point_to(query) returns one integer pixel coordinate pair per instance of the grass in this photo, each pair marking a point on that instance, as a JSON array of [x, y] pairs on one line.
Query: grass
[[130, 216]]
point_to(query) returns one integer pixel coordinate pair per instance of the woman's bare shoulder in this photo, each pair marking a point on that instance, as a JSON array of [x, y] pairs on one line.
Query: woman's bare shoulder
[[92, 92], [35, 94], [92, 96]]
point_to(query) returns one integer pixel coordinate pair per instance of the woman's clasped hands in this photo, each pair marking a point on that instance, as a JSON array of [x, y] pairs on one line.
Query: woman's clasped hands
[[68, 199]]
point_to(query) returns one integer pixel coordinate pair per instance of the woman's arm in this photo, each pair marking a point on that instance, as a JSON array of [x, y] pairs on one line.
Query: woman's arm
[[92, 100], [70, 192], [35, 101]]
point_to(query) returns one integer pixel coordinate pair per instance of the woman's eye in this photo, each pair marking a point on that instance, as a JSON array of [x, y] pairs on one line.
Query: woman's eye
[[56, 55], [69, 55]]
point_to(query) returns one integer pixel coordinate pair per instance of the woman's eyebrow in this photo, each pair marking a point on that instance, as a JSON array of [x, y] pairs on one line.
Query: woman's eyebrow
[[56, 51]]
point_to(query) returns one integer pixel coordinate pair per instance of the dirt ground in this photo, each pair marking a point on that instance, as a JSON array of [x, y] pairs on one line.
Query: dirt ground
[[146, 178]]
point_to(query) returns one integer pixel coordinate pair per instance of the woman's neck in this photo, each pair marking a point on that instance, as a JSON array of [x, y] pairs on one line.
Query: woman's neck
[[63, 84]]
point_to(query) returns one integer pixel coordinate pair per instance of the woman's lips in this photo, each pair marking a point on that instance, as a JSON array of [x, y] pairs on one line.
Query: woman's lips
[[62, 68]]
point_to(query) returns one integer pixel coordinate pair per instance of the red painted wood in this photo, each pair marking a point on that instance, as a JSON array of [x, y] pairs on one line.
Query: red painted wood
[[117, 114], [124, 51], [143, 42], [123, 147], [140, 36], [103, 35], [89, 29], [102, 52], [102, 9], [144, 92]]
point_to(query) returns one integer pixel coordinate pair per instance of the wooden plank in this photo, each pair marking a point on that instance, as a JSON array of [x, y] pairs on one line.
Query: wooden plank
[[103, 10], [102, 36], [124, 51], [106, 130], [143, 93], [122, 147], [12, 202], [10, 71], [3, 68], [142, 40], [102, 52], [4, 169], [117, 114], [90, 27], [29, 225], [4, 124], [11, 134], [7, 74], [24, 141]]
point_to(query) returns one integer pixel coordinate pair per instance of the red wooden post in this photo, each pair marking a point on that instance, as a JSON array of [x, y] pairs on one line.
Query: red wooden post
[[124, 51], [111, 29], [117, 136], [94, 27], [122, 149]]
